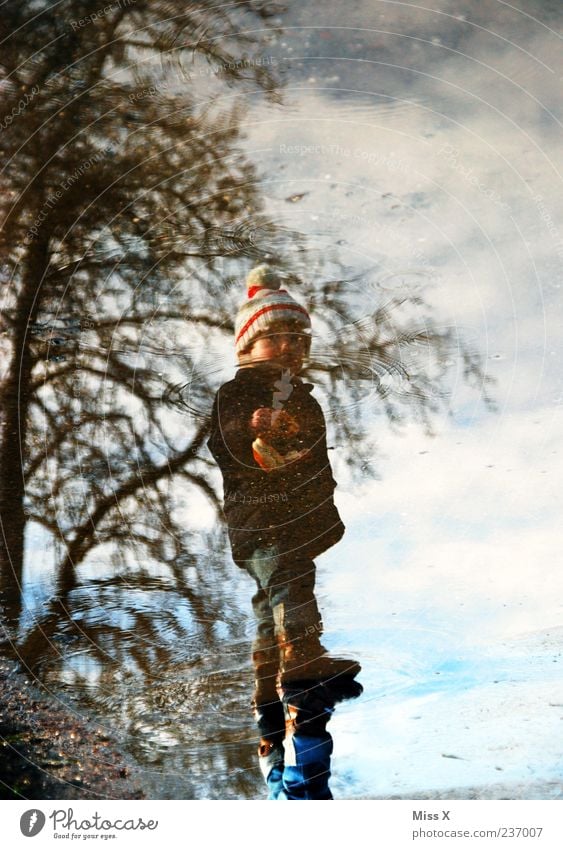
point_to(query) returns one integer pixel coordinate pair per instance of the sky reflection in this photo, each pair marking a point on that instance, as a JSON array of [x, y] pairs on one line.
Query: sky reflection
[[420, 148], [429, 146]]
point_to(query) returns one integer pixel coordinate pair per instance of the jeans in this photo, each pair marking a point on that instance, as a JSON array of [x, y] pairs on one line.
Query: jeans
[[298, 768], [287, 579]]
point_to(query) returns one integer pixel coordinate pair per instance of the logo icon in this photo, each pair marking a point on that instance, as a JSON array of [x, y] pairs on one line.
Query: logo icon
[[32, 822]]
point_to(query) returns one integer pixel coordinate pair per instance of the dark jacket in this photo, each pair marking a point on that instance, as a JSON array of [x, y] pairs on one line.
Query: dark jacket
[[291, 508]]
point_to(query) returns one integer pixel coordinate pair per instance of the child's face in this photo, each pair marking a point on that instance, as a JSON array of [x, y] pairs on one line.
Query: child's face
[[282, 345]]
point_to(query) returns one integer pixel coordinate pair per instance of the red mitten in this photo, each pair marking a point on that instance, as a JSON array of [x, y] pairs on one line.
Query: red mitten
[[269, 459], [269, 424], [266, 456]]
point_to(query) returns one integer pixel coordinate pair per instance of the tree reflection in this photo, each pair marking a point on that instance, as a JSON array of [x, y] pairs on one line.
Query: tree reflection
[[119, 197], [129, 213]]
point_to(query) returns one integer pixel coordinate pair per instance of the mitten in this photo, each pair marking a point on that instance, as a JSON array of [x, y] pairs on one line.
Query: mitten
[[271, 424], [269, 459]]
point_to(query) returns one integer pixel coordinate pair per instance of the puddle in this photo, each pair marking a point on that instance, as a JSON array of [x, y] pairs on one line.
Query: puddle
[[404, 180]]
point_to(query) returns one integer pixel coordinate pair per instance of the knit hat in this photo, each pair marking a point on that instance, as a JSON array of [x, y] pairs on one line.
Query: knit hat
[[267, 304]]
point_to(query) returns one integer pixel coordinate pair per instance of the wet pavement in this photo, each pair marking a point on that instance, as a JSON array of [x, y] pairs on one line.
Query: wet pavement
[[408, 177]]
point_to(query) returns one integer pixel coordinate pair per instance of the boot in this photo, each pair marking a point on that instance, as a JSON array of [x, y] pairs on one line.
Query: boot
[[302, 656], [269, 715], [307, 710], [271, 763], [270, 720], [307, 744]]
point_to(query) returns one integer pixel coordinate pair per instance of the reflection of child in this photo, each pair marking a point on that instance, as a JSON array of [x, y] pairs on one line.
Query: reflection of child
[[268, 436]]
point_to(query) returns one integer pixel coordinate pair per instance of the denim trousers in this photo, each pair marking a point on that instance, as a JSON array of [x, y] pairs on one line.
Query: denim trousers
[[283, 579], [298, 768]]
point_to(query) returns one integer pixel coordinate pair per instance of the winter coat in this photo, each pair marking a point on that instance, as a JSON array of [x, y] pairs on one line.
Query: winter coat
[[292, 507]]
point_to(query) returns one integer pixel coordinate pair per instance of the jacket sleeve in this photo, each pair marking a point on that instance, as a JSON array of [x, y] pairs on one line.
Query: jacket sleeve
[[231, 438]]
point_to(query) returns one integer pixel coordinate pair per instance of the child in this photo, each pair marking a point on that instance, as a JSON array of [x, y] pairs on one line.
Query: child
[[268, 436]]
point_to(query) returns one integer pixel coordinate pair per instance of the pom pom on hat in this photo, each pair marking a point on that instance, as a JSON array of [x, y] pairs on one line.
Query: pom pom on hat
[[266, 305], [261, 277]]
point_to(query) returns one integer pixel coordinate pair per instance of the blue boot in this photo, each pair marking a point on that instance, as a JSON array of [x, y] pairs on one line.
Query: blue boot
[[307, 744]]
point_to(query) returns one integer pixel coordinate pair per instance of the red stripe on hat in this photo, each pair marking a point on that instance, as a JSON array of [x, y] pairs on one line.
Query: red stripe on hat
[[253, 289], [256, 315]]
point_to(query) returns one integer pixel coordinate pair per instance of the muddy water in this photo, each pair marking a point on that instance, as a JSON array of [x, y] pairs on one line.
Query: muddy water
[[417, 152]]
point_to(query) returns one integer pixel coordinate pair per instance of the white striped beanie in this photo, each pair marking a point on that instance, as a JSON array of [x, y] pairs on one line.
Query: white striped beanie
[[266, 305]]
